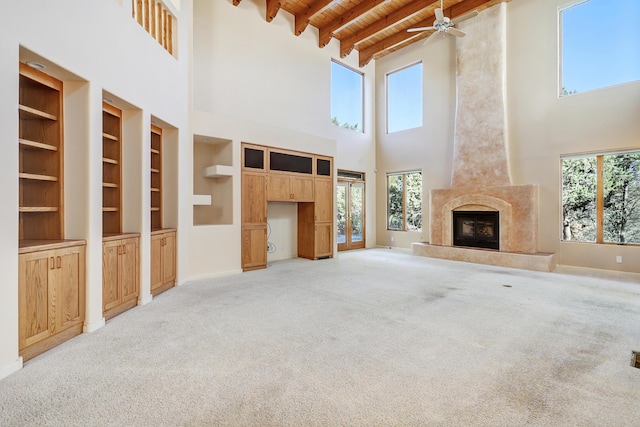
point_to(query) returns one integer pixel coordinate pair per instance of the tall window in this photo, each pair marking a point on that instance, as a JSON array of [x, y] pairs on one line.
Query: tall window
[[404, 201], [600, 44], [404, 98], [347, 98], [601, 198]]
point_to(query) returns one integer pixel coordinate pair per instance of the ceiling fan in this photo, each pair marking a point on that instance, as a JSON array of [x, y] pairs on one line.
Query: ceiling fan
[[443, 24]]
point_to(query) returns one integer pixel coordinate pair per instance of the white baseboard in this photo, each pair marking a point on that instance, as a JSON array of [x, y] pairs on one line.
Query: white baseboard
[[11, 368], [144, 299], [94, 326]]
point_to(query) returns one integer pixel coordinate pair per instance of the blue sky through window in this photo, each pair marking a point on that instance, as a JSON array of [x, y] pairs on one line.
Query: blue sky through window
[[346, 97], [404, 98], [600, 44]]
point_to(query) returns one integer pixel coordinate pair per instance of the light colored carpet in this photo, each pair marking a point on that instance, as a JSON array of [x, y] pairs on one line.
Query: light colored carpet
[[372, 338]]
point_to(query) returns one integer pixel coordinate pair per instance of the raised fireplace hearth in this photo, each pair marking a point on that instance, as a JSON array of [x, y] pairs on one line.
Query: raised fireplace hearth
[[476, 229]]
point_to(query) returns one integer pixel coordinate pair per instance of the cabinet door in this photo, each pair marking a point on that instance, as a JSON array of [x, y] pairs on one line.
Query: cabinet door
[[156, 261], [254, 247], [110, 283], [254, 198], [169, 258], [324, 240], [128, 269], [36, 315], [324, 200], [70, 277], [302, 188], [279, 188]]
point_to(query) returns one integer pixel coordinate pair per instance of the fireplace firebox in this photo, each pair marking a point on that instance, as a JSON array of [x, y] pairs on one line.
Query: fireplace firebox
[[476, 229]]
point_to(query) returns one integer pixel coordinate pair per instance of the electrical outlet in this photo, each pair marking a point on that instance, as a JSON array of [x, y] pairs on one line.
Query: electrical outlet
[[619, 259], [392, 238]]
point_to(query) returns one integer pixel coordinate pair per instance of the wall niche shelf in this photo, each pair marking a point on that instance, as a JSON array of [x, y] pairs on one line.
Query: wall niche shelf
[[217, 171], [201, 199], [213, 173]]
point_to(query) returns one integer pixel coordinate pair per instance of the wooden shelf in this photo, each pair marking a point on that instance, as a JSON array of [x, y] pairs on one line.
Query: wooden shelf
[[110, 161], [109, 185], [154, 151], [153, 170], [155, 209], [38, 209], [36, 177], [110, 137], [110, 209], [37, 145], [155, 190], [29, 113]]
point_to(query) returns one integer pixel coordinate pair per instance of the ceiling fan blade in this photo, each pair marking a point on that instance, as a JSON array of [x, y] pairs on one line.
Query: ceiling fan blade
[[413, 30], [456, 32], [439, 15], [465, 17]]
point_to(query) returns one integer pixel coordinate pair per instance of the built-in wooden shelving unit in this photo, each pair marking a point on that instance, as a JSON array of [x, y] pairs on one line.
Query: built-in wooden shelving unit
[[41, 158], [111, 170], [51, 281], [156, 178]]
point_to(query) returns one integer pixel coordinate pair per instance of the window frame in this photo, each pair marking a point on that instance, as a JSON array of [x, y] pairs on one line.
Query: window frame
[[599, 196], [362, 95], [562, 90], [386, 82], [404, 198]]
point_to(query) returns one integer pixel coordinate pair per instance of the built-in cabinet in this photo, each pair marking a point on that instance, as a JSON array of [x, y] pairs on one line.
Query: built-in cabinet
[[51, 295], [120, 252], [163, 240], [286, 188], [51, 275], [163, 260], [276, 175], [120, 273]]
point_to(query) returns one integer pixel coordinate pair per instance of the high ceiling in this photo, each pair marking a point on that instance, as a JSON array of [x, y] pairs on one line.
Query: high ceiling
[[374, 28]]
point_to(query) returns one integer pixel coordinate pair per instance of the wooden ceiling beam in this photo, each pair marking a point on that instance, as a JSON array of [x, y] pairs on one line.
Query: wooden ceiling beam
[[326, 32], [459, 9], [273, 6], [302, 20], [407, 11]]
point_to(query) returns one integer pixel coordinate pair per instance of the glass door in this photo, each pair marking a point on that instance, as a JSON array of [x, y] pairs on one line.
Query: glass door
[[351, 217]]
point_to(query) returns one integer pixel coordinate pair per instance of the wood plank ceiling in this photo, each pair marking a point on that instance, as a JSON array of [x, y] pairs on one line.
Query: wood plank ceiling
[[374, 28]]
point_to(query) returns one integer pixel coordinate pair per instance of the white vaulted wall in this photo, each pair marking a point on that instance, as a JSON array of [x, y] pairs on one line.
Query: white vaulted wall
[[540, 128], [254, 81]]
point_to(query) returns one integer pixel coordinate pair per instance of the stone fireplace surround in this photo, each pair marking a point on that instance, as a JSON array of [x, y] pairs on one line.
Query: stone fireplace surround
[[481, 177]]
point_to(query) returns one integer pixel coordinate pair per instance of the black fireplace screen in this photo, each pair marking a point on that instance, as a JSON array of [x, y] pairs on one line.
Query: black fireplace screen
[[479, 229]]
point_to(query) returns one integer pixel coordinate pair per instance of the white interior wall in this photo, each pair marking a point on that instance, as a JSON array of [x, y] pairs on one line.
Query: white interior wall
[[282, 231], [541, 127], [428, 148], [253, 81]]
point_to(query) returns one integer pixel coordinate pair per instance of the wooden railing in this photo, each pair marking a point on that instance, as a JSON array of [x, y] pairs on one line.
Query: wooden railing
[[156, 19]]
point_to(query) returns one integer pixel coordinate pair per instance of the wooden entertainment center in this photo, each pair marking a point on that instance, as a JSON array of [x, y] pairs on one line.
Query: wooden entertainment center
[[277, 175]]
